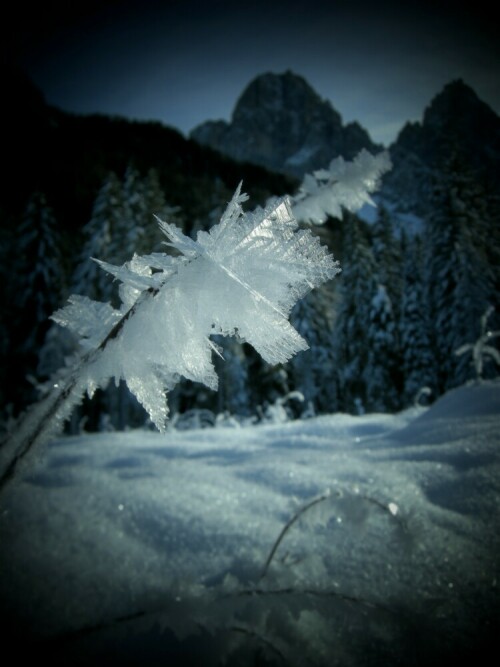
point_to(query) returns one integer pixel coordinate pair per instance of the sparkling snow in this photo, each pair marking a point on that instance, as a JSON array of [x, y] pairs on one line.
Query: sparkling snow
[[143, 549]]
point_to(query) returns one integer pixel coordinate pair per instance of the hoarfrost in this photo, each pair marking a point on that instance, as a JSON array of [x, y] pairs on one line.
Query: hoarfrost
[[241, 278]]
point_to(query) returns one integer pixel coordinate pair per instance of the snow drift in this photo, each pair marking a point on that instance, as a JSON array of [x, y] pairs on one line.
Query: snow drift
[[141, 548]]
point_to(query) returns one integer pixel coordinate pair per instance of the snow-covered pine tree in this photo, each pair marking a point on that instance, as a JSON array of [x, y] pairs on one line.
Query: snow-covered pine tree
[[100, 234], [152, 239], [135, 216], [106, 237], [346, 187], [38, 287], [313, 373], [476, 278], [459, 276], [41, 276], [143, 199], [387, 253], [382, 370], [441, 263], [419, 368], [357, 288]]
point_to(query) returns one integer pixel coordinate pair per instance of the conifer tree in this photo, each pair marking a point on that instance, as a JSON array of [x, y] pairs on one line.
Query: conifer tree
[[108, 236], [418, 361], [358, 286], [313, 372], [156, 207], [136, 213], [101, 234], [476, 276], [381, 372], [38, 286], [41, 275], [460, 279], [387, 253]]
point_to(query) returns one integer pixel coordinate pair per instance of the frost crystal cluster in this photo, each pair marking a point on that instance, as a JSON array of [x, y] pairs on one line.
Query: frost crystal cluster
[[343, 185], [241, 278]]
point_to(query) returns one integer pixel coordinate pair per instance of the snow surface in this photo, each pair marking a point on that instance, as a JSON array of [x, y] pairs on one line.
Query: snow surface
[[145, 549]]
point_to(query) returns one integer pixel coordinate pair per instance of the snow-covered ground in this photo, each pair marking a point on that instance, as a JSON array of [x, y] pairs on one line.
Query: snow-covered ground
[[141, 549]]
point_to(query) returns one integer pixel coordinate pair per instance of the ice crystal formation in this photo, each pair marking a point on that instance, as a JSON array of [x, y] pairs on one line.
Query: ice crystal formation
[[241, 278]]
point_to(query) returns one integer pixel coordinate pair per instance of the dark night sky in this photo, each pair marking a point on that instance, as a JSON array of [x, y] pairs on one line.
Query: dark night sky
[[186, 62]]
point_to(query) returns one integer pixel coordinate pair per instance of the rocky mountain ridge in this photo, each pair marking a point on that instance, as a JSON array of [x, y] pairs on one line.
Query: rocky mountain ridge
[[281, 123], [456, 125]]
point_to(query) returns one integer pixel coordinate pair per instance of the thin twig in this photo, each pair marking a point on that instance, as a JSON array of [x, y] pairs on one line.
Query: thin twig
[[288, 525], [312, 503]]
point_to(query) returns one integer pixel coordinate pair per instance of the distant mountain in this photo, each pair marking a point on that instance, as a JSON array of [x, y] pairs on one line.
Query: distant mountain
[[455, 119], [456, 124], [281, 123]]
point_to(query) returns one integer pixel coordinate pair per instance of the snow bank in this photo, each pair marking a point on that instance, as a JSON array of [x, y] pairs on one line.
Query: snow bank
[[140, 548]]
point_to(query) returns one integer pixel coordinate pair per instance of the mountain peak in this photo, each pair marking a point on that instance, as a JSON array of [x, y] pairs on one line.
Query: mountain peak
[[458, 106], [456, 116], [280, 93], [281, 123], [456, 122]]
